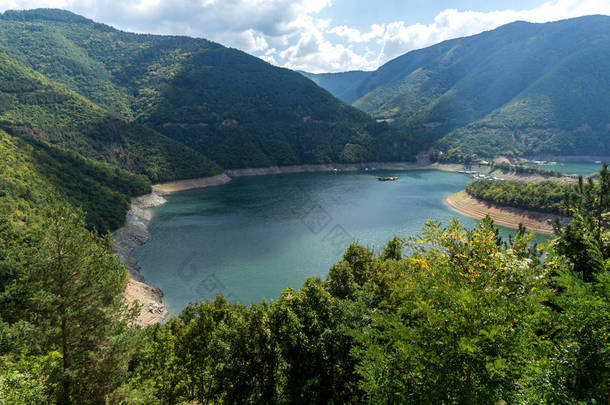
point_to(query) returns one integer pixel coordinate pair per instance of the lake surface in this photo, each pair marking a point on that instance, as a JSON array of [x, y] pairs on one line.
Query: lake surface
[[255, 236], [581, 168]]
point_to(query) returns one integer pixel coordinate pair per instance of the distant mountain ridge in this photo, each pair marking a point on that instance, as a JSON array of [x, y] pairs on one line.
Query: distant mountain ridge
[[344, 86], [521, 89]]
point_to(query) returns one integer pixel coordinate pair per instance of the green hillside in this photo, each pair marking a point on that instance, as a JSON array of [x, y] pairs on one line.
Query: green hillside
[[521, 89], [33, 106], [30, 170], [236, 109]]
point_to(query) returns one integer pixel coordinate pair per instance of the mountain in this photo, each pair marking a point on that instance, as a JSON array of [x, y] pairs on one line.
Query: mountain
[[177, 107], [521, 89]]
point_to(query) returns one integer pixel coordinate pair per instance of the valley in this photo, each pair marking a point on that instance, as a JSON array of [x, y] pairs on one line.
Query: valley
[[183, 222]]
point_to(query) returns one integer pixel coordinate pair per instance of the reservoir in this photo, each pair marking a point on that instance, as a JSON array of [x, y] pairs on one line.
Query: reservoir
[[253, 237]]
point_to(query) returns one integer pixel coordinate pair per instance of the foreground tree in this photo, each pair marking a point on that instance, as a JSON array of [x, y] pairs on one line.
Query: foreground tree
[[580, 365], [584, 241], [77, 286], [578, 370], [461, 324]]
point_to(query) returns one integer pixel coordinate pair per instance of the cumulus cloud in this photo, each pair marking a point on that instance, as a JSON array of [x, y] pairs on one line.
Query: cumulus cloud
[[204, 17], [290, 33]]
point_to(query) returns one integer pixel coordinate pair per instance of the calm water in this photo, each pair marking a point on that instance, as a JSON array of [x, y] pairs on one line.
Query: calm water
[[254, 236], [581, 168]]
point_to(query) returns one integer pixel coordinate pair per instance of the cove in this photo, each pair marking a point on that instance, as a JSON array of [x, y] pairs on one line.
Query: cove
[[253, 237]]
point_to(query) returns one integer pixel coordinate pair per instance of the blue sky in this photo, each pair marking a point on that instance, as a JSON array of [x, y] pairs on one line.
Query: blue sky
[[361, 14], [320, 35]]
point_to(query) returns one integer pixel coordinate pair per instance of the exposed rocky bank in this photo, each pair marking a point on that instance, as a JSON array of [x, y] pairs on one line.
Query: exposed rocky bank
[[126, 239]]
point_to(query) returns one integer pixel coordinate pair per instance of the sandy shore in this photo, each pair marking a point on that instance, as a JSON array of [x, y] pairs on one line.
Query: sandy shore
[[181, 185], [504, 216]]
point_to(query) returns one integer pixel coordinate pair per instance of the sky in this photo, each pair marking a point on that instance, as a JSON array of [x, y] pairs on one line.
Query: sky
[[320, 35]]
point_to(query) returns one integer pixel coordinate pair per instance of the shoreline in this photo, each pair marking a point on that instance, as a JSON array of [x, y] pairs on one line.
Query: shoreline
[[227, 175], [509, 217]]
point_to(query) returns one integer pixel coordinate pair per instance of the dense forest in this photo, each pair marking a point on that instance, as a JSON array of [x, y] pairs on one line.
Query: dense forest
[[33, 107], [521, 89], [450, 316]]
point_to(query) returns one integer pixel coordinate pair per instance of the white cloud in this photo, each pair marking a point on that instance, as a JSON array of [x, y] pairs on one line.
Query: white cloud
[[351, 34], [354, 35], [290, 33]]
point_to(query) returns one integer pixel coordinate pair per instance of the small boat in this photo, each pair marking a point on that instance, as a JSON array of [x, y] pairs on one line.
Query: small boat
[[389, 178]]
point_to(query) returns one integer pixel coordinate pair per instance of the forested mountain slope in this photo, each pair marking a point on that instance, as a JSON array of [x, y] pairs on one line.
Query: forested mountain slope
[[30, 170], [32, 106], [236, 109], [520, 89]]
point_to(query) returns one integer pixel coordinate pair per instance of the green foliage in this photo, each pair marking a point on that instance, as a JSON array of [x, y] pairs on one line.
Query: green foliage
[[30, 380], [585, 241], [579, 368], [580, 365], [64, 335], [546, 196], [460, 325]]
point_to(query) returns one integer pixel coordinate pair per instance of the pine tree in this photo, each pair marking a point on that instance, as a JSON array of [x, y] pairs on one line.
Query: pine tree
[[78, 286]]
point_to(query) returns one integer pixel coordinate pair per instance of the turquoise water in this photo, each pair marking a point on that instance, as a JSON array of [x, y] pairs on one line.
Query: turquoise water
[[581, 168], [255, 236]]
